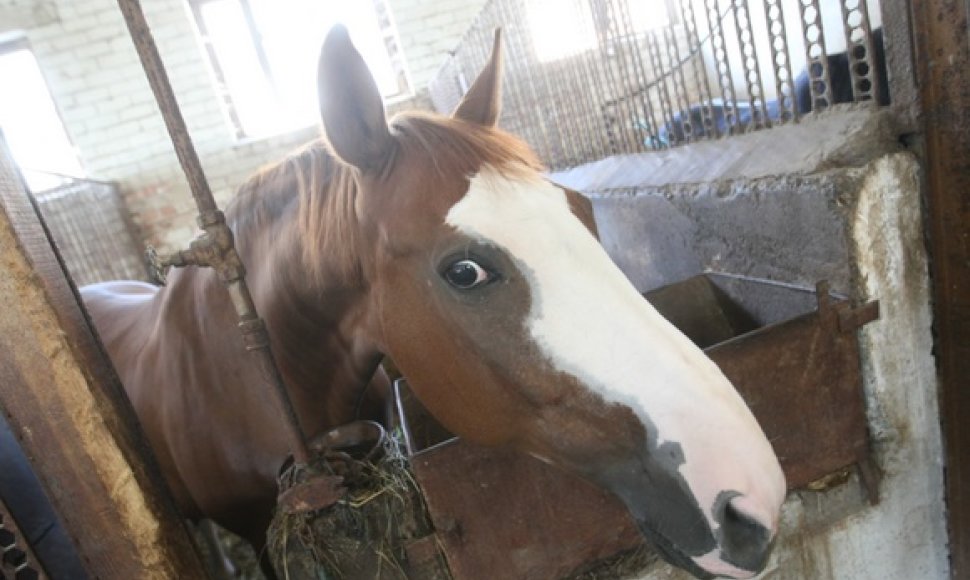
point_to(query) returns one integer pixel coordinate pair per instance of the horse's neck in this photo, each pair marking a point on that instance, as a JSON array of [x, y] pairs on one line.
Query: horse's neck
[[316, 328]]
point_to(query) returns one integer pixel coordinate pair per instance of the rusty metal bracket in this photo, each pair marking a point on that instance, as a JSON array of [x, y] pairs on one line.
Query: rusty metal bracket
[[216, 247], [853, 318], [317, 492], [846, 318]]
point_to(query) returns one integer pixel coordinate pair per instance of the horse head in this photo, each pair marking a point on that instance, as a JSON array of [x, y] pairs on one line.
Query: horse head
[[488, 288]]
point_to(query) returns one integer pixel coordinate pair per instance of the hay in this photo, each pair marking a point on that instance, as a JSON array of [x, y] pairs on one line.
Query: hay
[[362, 535], [629, 564]]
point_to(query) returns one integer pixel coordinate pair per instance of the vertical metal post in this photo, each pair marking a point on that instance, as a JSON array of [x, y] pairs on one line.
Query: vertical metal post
[[860, 51], [701, 79], [215, 249], [781, 61], [816, 59], [723, 64], [749, 63]]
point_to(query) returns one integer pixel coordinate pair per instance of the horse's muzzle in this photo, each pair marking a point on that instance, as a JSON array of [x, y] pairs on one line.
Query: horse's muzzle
[[743, 544]]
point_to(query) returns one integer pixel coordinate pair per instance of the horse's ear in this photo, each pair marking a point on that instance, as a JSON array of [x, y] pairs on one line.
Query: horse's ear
[[350, 104], [483, 101]]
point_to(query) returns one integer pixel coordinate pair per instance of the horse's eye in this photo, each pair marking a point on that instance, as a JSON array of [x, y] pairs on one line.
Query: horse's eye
[[466, 274]]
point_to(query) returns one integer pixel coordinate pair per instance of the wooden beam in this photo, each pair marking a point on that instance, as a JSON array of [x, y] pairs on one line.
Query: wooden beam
[[64, 402], [943, 69]]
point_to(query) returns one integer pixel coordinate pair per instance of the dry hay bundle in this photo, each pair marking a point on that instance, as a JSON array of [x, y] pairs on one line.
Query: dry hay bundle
[[361, 536]]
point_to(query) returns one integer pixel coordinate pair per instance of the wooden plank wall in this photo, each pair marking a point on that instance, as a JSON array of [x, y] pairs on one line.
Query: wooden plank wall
[[943, 66], [64, 402]]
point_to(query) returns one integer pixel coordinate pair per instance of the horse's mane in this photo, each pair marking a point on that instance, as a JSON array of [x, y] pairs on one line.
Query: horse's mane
[[326, 189]]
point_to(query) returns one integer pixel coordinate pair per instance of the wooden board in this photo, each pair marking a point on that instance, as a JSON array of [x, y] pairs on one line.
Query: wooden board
[[63, 400], [943, 70], [501, 514]]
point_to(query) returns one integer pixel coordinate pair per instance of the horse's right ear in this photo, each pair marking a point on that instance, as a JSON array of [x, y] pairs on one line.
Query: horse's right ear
[[350, 104]]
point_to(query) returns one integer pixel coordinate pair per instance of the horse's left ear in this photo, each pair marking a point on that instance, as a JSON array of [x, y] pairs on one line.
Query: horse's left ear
[[483, 101], [350, 104]]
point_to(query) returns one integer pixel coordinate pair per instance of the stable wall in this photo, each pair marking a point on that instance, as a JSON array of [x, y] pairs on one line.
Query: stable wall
[[832, 198], [97, 82]]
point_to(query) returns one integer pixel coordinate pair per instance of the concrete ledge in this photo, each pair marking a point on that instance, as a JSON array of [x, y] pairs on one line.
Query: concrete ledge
[[802, 215], [847, 136]]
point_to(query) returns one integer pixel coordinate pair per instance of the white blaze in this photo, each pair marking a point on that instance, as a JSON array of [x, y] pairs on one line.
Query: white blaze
[[590, 322]]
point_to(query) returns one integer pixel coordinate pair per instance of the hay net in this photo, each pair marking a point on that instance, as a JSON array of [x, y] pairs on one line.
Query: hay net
[[364, 533]]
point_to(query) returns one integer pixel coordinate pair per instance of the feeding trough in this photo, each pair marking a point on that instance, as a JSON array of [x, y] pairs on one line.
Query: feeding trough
[[791, 352]]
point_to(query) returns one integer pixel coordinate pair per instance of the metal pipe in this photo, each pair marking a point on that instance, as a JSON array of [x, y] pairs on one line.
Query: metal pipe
[[216, 248]]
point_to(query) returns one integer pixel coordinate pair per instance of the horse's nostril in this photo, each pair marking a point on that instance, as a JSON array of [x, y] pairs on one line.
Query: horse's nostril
[[745, 542]]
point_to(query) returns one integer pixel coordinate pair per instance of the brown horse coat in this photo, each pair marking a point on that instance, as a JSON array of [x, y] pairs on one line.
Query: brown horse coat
[[436, 241]]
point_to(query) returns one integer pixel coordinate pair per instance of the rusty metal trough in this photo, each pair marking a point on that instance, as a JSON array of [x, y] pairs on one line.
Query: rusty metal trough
[[792, 353]]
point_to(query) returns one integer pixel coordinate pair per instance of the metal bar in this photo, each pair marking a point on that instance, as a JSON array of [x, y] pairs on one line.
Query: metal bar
[[621, 75], [17, 558], [528, 126], [710, 128], [633, 72], [652, 127], [752, 71], [660, 73], [558, 106], [860, 50], [216, 249], [582, 92], [224, 96], [596, 79], [781, 61], [723, 66], [586, 84], [512, 14], [542, 91], [258, 47], [816, 59], [679, 82]]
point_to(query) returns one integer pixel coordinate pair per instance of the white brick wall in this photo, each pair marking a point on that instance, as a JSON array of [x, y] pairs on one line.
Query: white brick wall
[[110, 114], [430, 30]]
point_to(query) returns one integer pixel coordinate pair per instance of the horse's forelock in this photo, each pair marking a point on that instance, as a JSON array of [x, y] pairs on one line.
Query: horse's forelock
[[324, 190], [460, 146]]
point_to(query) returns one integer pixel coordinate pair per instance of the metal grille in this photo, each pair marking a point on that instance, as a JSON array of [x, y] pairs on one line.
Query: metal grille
[[635, 75], [91, 228], [17, 562]]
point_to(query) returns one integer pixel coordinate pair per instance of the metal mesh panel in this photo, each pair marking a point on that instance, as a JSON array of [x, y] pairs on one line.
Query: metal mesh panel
[[637, 75], [89, 225]]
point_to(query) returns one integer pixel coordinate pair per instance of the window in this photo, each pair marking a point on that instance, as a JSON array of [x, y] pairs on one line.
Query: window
[[561, 30], [264, 55], [31, 125]]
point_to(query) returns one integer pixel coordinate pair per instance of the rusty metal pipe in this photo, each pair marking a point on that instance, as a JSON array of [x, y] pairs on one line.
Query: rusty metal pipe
[[216, 248]]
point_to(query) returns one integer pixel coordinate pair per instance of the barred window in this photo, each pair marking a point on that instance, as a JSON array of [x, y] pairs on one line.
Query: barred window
[[263, 54], [30, 122]]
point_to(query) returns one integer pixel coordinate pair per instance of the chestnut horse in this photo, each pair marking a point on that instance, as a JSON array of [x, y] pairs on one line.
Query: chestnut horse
[[437, 241]]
